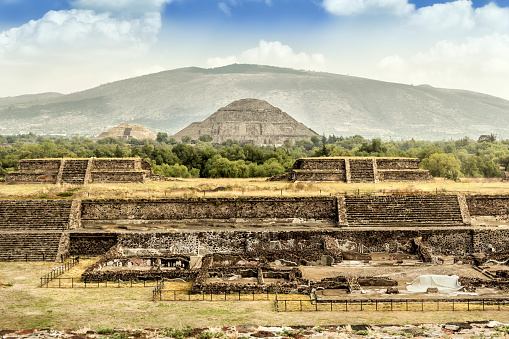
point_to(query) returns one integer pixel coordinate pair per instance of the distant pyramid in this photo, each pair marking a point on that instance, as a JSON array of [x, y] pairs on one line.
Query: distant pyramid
[[248, 121], [128, 131]]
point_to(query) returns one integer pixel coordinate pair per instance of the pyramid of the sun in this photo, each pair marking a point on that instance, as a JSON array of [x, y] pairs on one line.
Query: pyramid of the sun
[[248, 121], [128, 131]]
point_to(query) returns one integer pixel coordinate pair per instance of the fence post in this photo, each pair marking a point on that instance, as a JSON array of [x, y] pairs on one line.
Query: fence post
[[285, 305], [346, 305], [391, 304], [72, 282], [300, 305], [468, 305], [361, 304], [483, 304]]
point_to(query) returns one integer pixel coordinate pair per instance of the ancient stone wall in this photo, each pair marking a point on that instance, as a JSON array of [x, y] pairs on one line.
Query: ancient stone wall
[[458, 241], [322, 164], [80, 171], [317, 208], [356, 169], [488, 205], [404, 175], [91, 243], [51, 165], [318, 176], [118, 176], [116, 164], [397, 163]]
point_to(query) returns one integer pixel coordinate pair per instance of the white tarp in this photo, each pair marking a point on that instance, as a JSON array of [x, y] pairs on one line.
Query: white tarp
[[444, 283]]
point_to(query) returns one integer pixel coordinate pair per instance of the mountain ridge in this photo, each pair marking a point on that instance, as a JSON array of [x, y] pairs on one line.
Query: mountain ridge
[[325, 102]]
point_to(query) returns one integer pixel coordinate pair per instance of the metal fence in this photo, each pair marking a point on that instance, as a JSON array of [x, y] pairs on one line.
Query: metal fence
[[79, 283], [422, 305], [160, 293], [49, 277]]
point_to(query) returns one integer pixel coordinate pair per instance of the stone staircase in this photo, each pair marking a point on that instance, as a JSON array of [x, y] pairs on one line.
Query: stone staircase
[[411, 210], [18, 246], [34, 215], [361, 170], [74, 171], [31, 230]]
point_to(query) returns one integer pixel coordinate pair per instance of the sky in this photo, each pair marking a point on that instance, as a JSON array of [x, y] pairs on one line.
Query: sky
[[70, 45]]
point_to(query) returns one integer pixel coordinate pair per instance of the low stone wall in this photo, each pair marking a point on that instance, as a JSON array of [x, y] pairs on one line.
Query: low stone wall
[[117, 176], [31, 178], [317, 208], [318, 176], [488, 205], [404, 175]]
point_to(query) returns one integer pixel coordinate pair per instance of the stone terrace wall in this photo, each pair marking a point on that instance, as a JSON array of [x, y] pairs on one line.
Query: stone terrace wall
[[91, 243], [488, 205], [39, 164], [397, 163], [330, 164], [116, 165], [316, 208], [318, 176], [404, 175], [118, 176], [458, 241]]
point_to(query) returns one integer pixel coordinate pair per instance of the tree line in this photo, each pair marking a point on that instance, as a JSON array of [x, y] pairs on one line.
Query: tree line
[[201, 158]]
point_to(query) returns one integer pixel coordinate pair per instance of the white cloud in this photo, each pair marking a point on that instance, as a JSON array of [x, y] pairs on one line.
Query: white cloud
[[225, 8], [458, 15], [72, 30], [370, 7], [121, 7], [272, 53], [478, 63]]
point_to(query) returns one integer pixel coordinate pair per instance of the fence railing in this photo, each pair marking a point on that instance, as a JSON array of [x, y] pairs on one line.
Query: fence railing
[[80, 283], [55, 272], [157, 292], [186, 295], [423, 305]]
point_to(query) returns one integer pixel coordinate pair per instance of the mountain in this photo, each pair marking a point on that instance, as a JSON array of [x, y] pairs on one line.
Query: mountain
[[248, 121], [327, 103]]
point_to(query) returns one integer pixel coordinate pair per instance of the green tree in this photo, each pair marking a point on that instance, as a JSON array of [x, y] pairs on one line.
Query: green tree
[[442, 165], [205, 138]]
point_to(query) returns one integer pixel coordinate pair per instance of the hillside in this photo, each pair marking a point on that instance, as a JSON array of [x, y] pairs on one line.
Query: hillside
[[327, 103]]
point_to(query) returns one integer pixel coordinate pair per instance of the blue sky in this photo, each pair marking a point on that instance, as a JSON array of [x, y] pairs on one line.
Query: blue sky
[[71, 45]]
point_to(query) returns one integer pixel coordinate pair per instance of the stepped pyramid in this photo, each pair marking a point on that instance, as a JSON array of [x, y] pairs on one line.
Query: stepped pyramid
[[128, 131], [248, 121]]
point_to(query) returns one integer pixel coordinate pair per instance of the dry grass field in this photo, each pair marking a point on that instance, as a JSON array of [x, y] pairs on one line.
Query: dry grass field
[[25, 305], [246, 187]]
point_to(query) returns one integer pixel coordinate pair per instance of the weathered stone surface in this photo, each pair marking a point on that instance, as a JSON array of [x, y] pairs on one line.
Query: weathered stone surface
[[80, 171], [248, 121], [128, 131], [358, 169]]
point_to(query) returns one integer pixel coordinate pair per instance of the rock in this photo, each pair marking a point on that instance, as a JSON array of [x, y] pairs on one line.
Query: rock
[[454, 328], [431, 290], [392, 290], [246, 328]]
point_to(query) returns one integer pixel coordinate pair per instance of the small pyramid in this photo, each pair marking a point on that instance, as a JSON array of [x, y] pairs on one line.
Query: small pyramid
[[248, 121], [128, 131]]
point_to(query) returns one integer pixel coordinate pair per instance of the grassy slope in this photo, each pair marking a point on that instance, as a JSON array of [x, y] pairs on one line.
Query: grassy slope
[[247, 187]]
